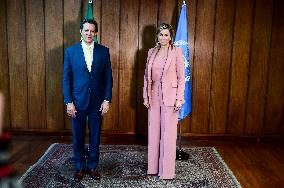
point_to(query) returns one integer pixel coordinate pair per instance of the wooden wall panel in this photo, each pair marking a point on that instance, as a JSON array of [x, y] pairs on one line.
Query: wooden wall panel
[[202, 65], [221, 65], [4, 66], [240, 66], [274, 111], [236, 55], [259, 66], [167, 12], [98, 16], [147, 33], [110, 38], [35, 63], [17, 63], [55, 108], [128, 65], [72, 19]]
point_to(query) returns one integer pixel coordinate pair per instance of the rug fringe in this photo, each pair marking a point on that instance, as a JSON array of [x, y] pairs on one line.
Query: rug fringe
[[227, 168], [34, 165]]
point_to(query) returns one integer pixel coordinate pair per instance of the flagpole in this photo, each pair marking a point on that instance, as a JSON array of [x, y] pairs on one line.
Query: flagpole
[[180, 154], [181, 40]]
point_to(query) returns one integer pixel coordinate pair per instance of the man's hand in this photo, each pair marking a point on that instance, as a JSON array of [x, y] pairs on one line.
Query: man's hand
[[71, 110], [104, 107]]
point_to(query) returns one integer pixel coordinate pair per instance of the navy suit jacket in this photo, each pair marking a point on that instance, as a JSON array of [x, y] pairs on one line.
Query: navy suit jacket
[[79, 84]]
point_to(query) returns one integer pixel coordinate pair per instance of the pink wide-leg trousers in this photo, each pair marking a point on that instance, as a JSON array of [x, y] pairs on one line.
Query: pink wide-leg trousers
[[162, 135]]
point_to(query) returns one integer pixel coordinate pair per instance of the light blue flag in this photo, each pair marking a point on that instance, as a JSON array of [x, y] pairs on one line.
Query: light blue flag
[[181, 40]]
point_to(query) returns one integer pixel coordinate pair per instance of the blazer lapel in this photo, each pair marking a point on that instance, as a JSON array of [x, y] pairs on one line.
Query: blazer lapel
[[150, 64], [169, 59], [82, 57], [95, 61]]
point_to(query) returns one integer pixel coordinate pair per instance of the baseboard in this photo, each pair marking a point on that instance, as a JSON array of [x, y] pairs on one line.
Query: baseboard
[[143, 135]]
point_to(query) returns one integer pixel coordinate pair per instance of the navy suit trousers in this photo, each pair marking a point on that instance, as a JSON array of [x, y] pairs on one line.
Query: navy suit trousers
[[86, 158]]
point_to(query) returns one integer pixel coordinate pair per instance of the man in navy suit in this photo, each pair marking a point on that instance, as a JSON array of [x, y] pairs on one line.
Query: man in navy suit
[[87, 90]]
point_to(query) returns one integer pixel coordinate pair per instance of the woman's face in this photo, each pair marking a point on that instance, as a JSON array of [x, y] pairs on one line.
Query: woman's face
[[164, 37]]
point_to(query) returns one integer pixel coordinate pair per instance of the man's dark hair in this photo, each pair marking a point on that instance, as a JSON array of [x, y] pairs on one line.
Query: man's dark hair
[[90, 21]]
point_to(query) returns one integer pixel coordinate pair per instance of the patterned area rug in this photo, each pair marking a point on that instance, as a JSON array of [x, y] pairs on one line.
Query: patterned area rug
[[126, 166]]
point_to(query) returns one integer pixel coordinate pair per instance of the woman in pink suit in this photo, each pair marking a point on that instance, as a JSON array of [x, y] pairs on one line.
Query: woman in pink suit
[[163, 94]]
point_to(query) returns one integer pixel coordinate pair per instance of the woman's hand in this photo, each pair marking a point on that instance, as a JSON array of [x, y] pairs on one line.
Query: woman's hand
[[178, 105], [146, 103]]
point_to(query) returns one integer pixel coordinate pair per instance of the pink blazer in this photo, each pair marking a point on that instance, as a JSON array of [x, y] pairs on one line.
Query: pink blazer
[[172, 80]]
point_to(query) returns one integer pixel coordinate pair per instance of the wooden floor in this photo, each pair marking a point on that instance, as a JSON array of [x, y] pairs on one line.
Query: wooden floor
[[254, 164]]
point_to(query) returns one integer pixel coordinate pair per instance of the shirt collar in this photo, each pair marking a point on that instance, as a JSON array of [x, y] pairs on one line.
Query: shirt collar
[[85, 45]]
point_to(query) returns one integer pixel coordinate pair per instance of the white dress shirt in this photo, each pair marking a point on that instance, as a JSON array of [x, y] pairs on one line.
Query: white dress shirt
[[85, 47]]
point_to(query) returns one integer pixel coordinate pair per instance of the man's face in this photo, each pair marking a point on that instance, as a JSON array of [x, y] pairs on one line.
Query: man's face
[[88, 32]]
